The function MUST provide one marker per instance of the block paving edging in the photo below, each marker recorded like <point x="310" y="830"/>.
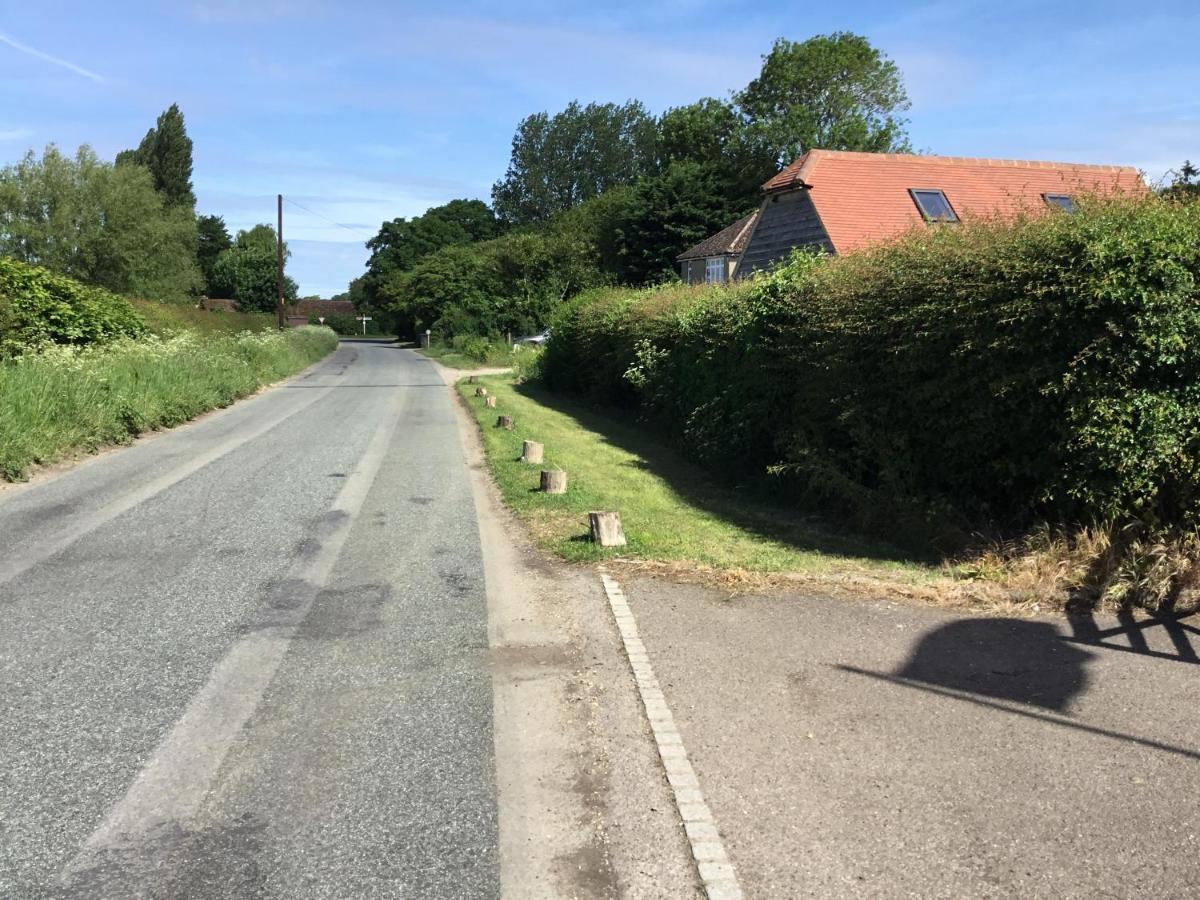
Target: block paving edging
<point x="708" y="850"/>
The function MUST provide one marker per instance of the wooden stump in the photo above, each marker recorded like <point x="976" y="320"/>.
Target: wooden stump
<point x="490" y="401"/>
<point x="480" y="392"/>
<point x="606" y="529"/>
<point x="473" y="379"/>
<point x="505" y="422"/>
<point x="554" y="481"/>
<point x="532" y="452"/>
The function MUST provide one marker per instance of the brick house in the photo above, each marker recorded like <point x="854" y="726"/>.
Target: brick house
<point x="841" y="201"/>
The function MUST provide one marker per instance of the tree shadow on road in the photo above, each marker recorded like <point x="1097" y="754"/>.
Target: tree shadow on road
<point x="1017" y="660"/>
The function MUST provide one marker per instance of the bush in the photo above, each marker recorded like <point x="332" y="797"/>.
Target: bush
<point x="964" y="379"/>
<point x="38" y="307"/>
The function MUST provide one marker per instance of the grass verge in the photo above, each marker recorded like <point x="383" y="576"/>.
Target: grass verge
<point x="679" y="521"/>
<point x="66" y="400"/>
<point x="671" y="511"/>
<point x="496" y="355"/>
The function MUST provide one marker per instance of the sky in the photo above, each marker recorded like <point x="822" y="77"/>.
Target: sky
<point x="359" y="112"/>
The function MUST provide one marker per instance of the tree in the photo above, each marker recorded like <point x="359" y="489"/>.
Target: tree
<point x="712" y="133"/>
<point x="166" y="151"/>
<point x="213" y="240"/>
<point x="247" y="271"/>
<point x="99" y="223"/>
<point x="668" y="214"/>
<point x="561" y="160"/>
<point x="402" y="243"/>
<point x="835" y="92"/>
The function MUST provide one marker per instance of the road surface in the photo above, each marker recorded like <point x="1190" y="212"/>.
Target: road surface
<point x="249" y="657"/>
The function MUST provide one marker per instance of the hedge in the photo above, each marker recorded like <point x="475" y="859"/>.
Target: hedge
<point x="979" y="377"/>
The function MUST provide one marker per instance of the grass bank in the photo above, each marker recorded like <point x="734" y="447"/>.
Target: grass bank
<point x="67" y="400"/>
<point x="167" y="319"/>
<point x="672" y="511"/>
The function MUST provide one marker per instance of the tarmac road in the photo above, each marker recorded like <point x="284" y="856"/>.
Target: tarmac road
<point x="248" y="657"/>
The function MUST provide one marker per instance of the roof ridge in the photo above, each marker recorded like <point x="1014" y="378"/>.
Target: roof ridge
<point x="818" y="152"/>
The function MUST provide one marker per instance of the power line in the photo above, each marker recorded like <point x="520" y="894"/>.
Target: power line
<point x="326" y="218"/>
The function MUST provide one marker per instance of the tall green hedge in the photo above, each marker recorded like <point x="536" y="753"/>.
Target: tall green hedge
<point x="963" y="378"/>
<point x="39" y="307"/>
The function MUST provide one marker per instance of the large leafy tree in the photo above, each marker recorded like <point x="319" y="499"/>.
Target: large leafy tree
<point x="213" y="239"/>
<point x="102" y="224"/>
<point x="166" y="151"/>
<point x="670" y="213"/>
<point x="402" y="243"/>
<point x="712" y="133"/>
<point x="247" y="271"/>
<point x="835" y="92"/>
<point x="577" y="154"/>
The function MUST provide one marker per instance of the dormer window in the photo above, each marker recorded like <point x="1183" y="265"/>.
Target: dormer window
<point x="1062" y="201"/>
<point x="933" y="205"/>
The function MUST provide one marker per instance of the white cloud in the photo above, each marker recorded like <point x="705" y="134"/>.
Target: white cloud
<point x="53" y="60"/>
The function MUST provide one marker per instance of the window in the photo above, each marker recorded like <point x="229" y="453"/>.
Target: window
<point x="714" y="270"/>
<point x="933" y="205"/>
<point x="687" y="271"/>
<point x="1063" y="201"/>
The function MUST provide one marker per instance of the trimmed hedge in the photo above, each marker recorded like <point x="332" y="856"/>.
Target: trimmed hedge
<point x="980" y="377"/>
<point x="38" y="307"/>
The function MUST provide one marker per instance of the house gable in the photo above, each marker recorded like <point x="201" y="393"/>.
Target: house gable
<point x="788" y="219"/>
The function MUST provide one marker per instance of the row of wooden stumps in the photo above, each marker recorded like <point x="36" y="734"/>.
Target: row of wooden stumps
<point x="605" y="527"/>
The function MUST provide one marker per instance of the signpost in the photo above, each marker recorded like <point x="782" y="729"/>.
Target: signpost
<point x="364" y="320"/>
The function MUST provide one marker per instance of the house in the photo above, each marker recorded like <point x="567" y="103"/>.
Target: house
<point x="841" y="201"/>
<point x="715" y="259"/>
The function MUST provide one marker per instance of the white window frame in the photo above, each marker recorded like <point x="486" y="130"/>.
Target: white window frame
<point x="715" y="265"/>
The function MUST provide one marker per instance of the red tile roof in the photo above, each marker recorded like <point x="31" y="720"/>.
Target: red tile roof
<point x="863" y="198"/>
<point x="727" y="241"/>
<point x="322" y="308"/>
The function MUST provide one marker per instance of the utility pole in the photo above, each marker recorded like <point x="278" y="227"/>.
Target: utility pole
<point x="279" y="252"/>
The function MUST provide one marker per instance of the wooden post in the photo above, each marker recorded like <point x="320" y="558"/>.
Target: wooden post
<point x="473" y="379"/>
<point x="489" y="401"/>
<point x="554" y="481"/>
<point x="532" y="452"/>
<point x="606" y="529"/>
<point x="505" y="422"/>
<point x="480" y="392"/>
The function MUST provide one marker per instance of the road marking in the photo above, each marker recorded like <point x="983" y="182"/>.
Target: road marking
<point x="29" y="557"/>
<point x="170" y="787"/>
<point x="708" y="850"/>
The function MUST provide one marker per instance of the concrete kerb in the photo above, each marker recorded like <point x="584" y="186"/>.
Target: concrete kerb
<point x="708" y="850"/>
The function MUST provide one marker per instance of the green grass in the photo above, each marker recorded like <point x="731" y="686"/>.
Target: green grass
<point x="671" y="511"/>
<point x="65" y="400"/>
<point x="497" y="355"/>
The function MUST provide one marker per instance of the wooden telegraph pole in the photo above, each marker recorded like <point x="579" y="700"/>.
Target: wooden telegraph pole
<point x="279" y="253"/>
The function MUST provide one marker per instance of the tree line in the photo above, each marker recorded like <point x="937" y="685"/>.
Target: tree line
<point x="130" y="225"/>
<point x="607" y="193"/>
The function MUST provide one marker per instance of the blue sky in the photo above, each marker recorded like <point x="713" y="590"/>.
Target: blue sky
<point x="362" y="111"/>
